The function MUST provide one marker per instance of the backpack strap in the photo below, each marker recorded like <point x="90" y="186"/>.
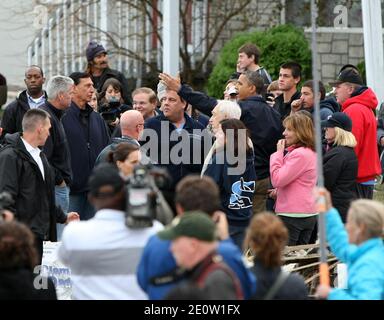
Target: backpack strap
<point x="280" y="280"/>
<point x="215" y="263"/>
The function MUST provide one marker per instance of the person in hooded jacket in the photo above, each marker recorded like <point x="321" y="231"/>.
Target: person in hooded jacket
<point x="307" y="101"/>
<point x="340" y="162"/>
<point x="232" y="168"/>
<point x="359" y="103"/>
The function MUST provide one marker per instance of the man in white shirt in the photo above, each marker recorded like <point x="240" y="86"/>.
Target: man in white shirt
<point x="103" y="253"/>
<point x="27" y="176"/>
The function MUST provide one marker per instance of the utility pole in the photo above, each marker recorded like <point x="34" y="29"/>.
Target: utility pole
<point x="373" y="46"/>
<point x="171" y="36"/>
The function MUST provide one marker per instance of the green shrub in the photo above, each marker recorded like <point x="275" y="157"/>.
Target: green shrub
<point x="278" y="45"/>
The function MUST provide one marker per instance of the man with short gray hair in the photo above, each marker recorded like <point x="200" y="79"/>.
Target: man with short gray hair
<point x="59" y="90"/>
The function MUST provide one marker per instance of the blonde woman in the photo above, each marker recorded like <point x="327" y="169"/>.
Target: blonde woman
<point x="360" y="246"/>
<point x="340" y="162"/>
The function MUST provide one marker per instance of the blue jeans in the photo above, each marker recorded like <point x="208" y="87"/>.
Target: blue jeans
<point x="62" y="201"/>
<point x="78" y="202"/>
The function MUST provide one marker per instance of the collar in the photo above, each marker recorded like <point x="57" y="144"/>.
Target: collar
<point x="366" y="246"/>
<point x="29" y="148"/>
<point x="110" y="214"/>
<point x="77" y="109"/>
<point x="127" y="138"/>
<point x="57" y="112"/>
<point x="35" y="100"/>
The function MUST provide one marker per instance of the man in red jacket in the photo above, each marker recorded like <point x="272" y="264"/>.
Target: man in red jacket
<point x="359" y="103"/>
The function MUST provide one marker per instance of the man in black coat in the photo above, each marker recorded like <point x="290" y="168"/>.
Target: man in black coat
<point x="31" y="98"/>
<point x="289" y="78"/>
<point x="99" y="70"/>
<point x="27" y="176"/>
<point x="56" y="148"/>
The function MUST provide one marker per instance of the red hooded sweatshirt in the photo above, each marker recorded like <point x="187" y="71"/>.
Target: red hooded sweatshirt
<point x="360" y="109"/>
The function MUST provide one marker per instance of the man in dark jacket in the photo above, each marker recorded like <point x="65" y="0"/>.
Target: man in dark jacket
<point x="262" y="121"/>
<point x="132" y="125"/>
<point x="31" y="98"/>
<point x="289" y="78"/>
<point x="98" y="69"/>
<point x="172" y="129"/>
<point x="59" y="89"/>
<point x="28" y="177"/>
<point x="87" y="135"/>
<point x="328" y="106"/>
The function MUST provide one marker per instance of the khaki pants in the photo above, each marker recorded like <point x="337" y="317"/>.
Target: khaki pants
<point x="260" y="197"/>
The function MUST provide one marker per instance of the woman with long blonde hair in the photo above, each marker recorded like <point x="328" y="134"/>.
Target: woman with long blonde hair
<point x="340" y="162"/>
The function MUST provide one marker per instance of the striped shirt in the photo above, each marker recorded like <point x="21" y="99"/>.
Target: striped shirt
<point x="103" y="255"/>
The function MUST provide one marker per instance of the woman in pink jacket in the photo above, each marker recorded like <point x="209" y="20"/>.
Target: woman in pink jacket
<point x="293" y="175"/>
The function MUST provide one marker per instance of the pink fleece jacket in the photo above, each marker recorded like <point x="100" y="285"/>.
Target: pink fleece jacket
<point x="294" y="176"/>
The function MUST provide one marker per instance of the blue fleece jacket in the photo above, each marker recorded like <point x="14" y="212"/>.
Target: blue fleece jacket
<point x="236" y="190"/>
<point x="157" y="260"/>
<point x="365" y="262"/>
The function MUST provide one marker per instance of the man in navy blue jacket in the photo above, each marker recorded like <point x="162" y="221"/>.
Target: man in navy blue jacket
<point x="157" y="272"/>
<point x="87" y="135"/>
<point x="175" y="141"/>
<point x="263" y="122"/>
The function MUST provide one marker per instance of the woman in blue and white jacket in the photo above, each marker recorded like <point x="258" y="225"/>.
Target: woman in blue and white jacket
<point x="232" y="167"/>
<point x="360" y="246"/>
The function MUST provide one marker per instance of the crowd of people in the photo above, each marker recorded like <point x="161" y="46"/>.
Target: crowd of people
<point x="240" y="176"/>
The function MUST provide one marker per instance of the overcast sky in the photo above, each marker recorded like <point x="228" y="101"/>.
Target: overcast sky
<point x="16" y="33"/>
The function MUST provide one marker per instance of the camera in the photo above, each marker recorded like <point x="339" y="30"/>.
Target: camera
<point x="142" y="195"/>
<point x="6" y="201"/>
<point x="112" y="110"/>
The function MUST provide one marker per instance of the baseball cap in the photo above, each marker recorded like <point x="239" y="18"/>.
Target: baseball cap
<point x="193" y="224"/>
<point x="338" y="119"/>
<point x="347" y="75"/>
<point x="105" y="174"/>
<point x="93" y="50"/>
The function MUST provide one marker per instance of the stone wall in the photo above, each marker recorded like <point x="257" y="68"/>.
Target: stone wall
<point x="336" y="49"/>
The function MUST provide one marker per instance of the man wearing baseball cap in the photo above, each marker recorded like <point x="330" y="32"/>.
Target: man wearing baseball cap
<point x="99" y="70"/>
<point x="194" y="246"/>
<point x="359" y="103"/>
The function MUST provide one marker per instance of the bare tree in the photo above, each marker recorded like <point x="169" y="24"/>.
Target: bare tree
<point x="219" y="17"/>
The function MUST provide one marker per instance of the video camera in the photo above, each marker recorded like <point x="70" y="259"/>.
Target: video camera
<point x="142" y="195"/>
<point x="6" y="201"/>
<point x="112" y="110"/>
